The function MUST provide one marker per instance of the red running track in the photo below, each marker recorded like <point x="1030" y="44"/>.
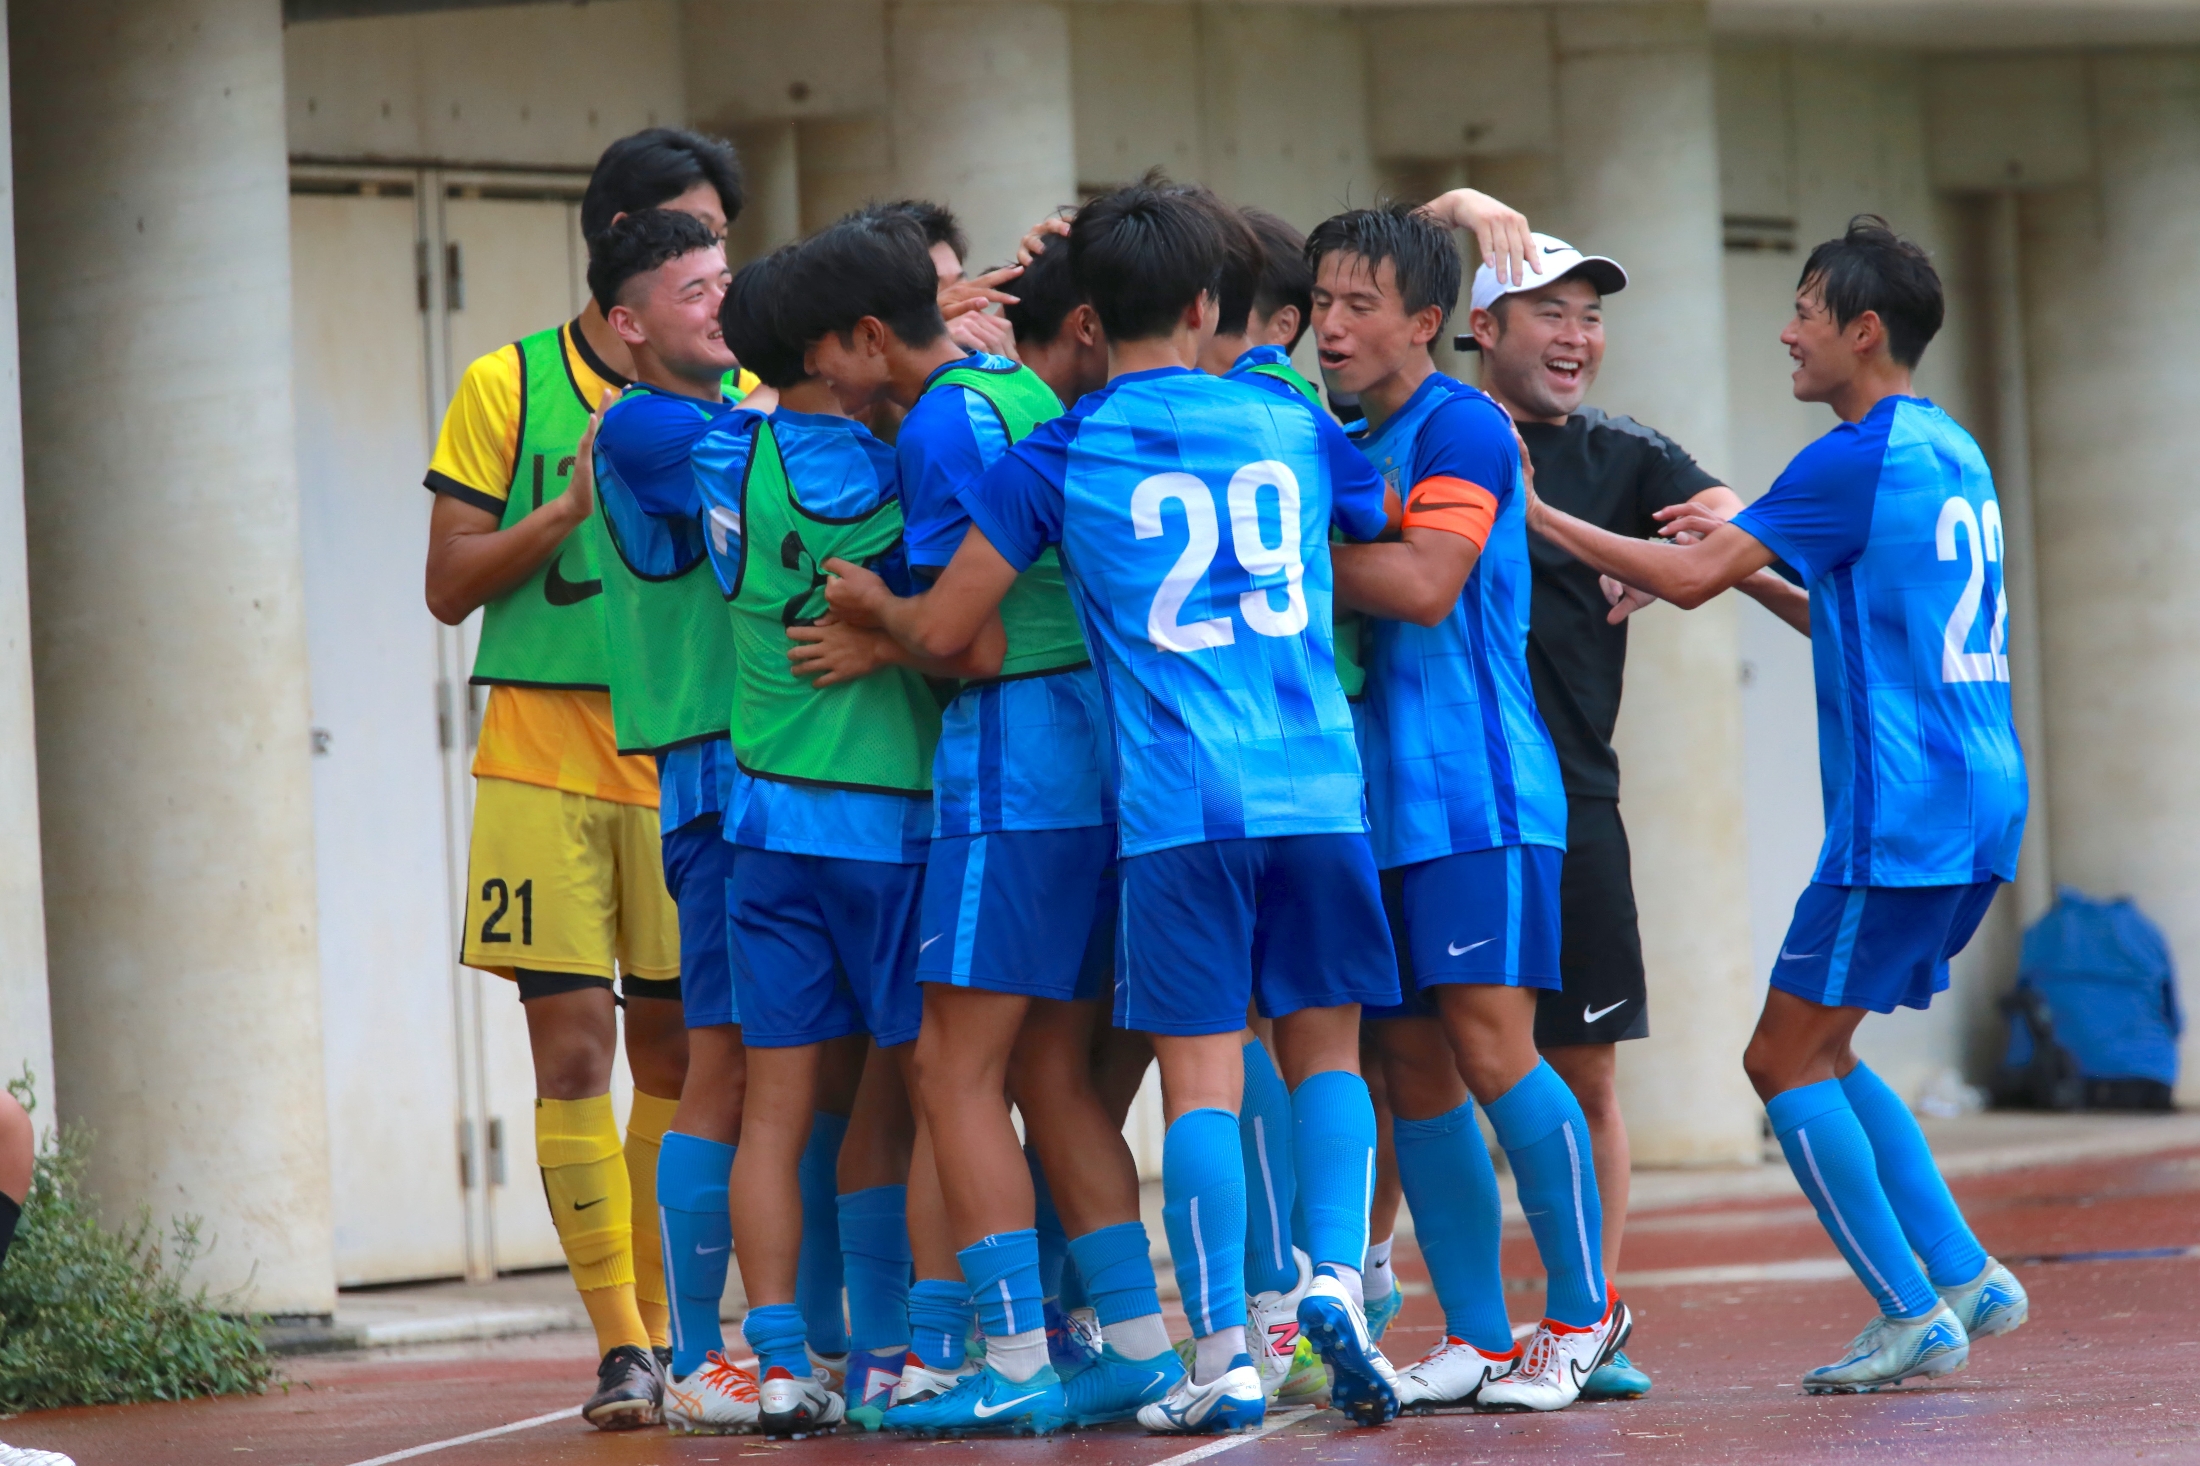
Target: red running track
<point x="2105" y="1369"/>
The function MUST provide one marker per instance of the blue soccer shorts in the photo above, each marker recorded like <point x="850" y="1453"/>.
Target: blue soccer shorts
<point x="1478" y="916"/>
<point x="1021" y="911"/>
<point x="1878" y="947"/>
<point x="697" y="863"/>
<point x="822" y="947"/>
<point x="1290" y="922"/>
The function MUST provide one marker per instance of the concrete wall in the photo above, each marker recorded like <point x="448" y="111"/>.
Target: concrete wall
<point x="168" y="625"/>
<point x="26" y="1027"/>
<point x="2115" y="441"/>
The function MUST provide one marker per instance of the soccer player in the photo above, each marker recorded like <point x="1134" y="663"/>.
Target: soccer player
<point x="1019" y="904"/>
<point x="659" y="278"/>
<point x="1891" y="521"/>
<point x="829" y="816"/>
<point x="1542" y="343"/>
<point x="1244" y="865"/>
<point x="565" y="882"/>
<point x="1468" y="821"/>
<point x="1058" y="333"/>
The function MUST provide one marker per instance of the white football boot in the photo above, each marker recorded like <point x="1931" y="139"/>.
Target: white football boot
<point x="1451" y="1376"/>
<point x="1233" y="1401"/>
<point x="789" y="1406"/>
<point x="1272" y="1327"/>
<point x="717" y="1399"/>
<point x="1992" y="1303"/>
<point x="1558" y="1361"/>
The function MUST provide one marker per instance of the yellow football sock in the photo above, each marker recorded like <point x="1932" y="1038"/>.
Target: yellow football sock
<point x="646" y="1125"/>
<point x="584" y="1179"/>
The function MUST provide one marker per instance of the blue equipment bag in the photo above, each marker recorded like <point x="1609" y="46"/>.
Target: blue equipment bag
<point x="2094" y="1018"/>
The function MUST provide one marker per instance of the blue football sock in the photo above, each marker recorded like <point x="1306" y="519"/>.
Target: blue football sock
<point x="1271" y="1187"/>
<point x="939" y="1322"/>
<point x="1333" y="1138"/>
<point x="874" y="1252"/>
<point x="1546" y="1137"/>
<point x="1003" y="1273"/>
<point x="1047" y="1222"/>
<point x="1930" y="1220"/>
<point x="1832" y="1160"/>
<point x="698" y="1242"/>
<point x="817" y="1277"/>
<point x="1118" y="1266"/>
<point x="1072" y="1292"/>
<point x="776" y="1333"/>
<point x="1203" y="1189"/>
<point x="1458" y="1221"/>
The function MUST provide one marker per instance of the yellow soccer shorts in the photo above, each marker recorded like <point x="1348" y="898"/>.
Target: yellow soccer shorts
<point x="559" y="882"/>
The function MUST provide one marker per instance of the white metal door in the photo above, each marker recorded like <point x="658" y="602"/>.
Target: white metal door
<point x="379" y="816"/>
<point x="512" y="263"/>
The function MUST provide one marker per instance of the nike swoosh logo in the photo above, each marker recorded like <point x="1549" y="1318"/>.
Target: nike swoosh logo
<point x="559" y="591"/>
<point x="1787" y="956"/>
<point x="585" y="1205"/>
<point x="986" y="1412"/>
<point x="928" y="941"/>
<point x="1591" y="1015"/>
<point x="702" y="1251"/>
<point x="1463" y="951"/>
<point x="1422" y="506"/>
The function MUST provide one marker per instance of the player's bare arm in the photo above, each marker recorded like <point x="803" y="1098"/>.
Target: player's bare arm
<point x="1500" y="231"/>
<point x="1416" y="577"/>
<point x="1686" y="575"/>
<point x="945" y="622"/>
<point x="1791" y="603"/>
<point x="1716" y="503"/>
<point x="833" y="651"/>
<point x="471" y="561"/>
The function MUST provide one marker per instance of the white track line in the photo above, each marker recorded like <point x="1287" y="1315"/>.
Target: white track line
<point x="1227" y="1443"/>
<point x="467" y="1440"/>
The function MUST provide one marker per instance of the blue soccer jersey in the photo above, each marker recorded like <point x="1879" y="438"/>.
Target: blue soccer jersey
<point x="1457" y="756"/>
<point x="648" y="497"/>
<point x="838" y="471"/>
<point x="1893" y="524"/>
<point x="1025" y="753"/>
<point x="1193" y="516"/>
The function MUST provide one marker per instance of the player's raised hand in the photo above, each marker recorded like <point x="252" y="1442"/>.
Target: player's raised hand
<point x="1500" y="231"/>
<point x="1034" y="241"/>
<point x="1625" y="600"/>
<point x="980" y="332"/>
<point x="830" y="651"/>
<point x="856" y="595"/>
<point x="580" y="489"/>
<point x="978" y="292"/>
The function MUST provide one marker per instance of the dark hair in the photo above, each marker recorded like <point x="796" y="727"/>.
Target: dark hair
<point x="1046" y="292"/>
<point x="1242" y="256"/>
<point x="1419" y="250"/>
<point x="871" y="263"/>
<point x="938" y="222"/>
<point x="1871" y="268"/>
<point x="750" y="318"/>
<point x="1285" y="277"/>
<point x="1143" y="254"/>
<point x="654" y="167"/>
<point x="638" y="244"/>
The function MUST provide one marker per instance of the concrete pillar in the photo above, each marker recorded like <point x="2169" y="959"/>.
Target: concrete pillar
<point x="168" y="623"/>
<point x="2114" y="440"/>
<point x="26" y="1029"/>
<point x="1638" y="150"/>
<point x="981" y="114"/>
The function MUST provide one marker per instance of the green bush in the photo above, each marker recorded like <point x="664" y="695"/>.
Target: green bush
<point x="94" y="1317"/>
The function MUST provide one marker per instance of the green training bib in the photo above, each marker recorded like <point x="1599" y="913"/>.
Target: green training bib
<point x="547" y="631"/>
<point x="671" y="649"/>
<point x="876" y="733"/>
<point x="1043" y="635"/>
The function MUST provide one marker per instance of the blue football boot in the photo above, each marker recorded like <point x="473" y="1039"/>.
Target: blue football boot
<point x="1382" y="1311"/>
<point x="1115" y="1388"/>
<point x="1615" y="1379"/>
<point x="985" y="1403"/>
<point x="1067" y="1349"/>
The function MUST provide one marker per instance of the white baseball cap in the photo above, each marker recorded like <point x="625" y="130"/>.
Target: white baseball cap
<point x="1560" y="259"/>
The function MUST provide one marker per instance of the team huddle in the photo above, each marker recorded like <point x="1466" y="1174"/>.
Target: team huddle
<point x="935" y="700"/>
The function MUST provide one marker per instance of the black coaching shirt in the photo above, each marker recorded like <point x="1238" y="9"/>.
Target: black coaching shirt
<point x="1615" y="473"/>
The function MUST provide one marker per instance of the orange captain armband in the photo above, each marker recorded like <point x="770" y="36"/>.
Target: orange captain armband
<point x="1453" y="505"/>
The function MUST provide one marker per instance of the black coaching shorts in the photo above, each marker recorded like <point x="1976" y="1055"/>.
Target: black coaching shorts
<point x="1602" y="998"/>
